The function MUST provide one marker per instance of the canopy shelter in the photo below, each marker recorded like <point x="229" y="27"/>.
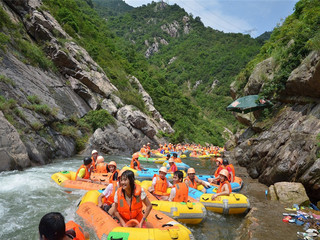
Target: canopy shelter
<point x="248" y="104"/>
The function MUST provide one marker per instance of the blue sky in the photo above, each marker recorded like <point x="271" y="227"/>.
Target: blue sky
<point x="253" y="17"/>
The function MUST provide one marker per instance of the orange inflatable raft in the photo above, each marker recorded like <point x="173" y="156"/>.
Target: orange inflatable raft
<point x="106" y="227"/>
<point x="66" y="179"/>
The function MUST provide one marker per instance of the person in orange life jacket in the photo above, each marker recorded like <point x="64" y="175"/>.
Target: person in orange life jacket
<point x="148" y="147"/>
<point x="113" y="169"/>
<point x="222" y="164"/>
<point x="179" y="192"/>
<point x="192" y="180"/>
<point x="128" y="200"/>
<point x="173" y="166"/>
<point x="230" y="169"/>
<point x="94" y="156"/>
<point x="106" y="198"/>
<point x="101" y="166"/>
<point x="53" y="227"/>
<point x="224" y="187"/>
<point x="84" y="172"/>
<point x="175" y="158"/>
<point x="143" y="150"/>
<point x="135" y="164"/>
<point x="219" y="163"/>
<point x="160" y="184"/>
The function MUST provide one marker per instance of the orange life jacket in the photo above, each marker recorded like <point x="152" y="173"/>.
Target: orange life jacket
<point x="101" y="168"/>
<point x="173" y="168"/>
<point x="216" y="173"/>
<point x="232" y="169"/>
<point x="221" y="185"/>
<point x="190" y="183"/>
<point x="181" y="192"/>
<point x="132" y="163"/>
<point x="110" y="199"/>
<point x="87" y="174"/>
<point x="71" y="225"/>
<point x="93" y="163"/>
<point x="160" y="188"/>
<point x="177" y="160"/>
<point x="111" y="177"/>
<point x="135" y="210"/>
<point x="142" y="150"/>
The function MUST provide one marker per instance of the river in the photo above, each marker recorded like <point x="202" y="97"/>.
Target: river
<point x="25" y="196"/>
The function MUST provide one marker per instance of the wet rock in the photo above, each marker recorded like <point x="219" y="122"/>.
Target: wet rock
<point x="291" y="193"/>
<point x="272" y="193"/>
<point x="117" y="139"/>
<point x="13" y="153"/>
<point x="250" y="223"/>
<point x="286" y="151"/>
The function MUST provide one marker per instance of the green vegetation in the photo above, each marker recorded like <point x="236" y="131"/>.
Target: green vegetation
<point x="98" y="119"/>
<point x="7" y="80"/>
<point x="13" y="35"/>
<point x="289" y="44"/>
<point x="38" y="107"/>
<point x="117" y="45"/>
<point x="111" y="7"/>
<point x="197" y="114"/>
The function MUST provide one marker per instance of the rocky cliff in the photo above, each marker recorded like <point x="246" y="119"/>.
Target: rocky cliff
<point x="285" y="147"/>
<point x="45" y="102"/>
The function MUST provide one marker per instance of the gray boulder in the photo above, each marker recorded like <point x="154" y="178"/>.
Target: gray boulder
<point x="291" y="193"/>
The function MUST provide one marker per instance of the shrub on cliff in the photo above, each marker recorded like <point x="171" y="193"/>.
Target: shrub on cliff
<point x="98" y="119"/>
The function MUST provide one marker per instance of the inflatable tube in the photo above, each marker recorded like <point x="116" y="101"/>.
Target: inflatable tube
<point x="148" y="173"/>
<point x="153" y="160"/>
<point x="236" y="185"/>
<point x="235" y="203"/>
<point x="192" y="212"/>
<point x="180" y="166"/>
<point x="66" y="180"/>
<point x="106" y="227"/>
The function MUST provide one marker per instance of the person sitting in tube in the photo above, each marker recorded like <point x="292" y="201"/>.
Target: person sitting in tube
<point x="128" y="201"/>
<point x="224" y="187"/>
<point x="180" y="190"/>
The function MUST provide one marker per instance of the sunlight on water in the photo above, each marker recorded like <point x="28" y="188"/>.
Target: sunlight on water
<point x="25" y="196"/>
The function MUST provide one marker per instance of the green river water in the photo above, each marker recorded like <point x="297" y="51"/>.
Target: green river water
<point x="25" y="196"/>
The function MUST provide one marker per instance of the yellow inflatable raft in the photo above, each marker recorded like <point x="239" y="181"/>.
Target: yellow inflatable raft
<point x="106" y="227"/>
<point x="235" y="203"/>
<point x="189" y="213"/>
<point x="66" y="179"/>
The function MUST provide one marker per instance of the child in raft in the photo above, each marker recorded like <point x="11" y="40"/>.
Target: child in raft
<point x="128" y="201"/>
<point x="106" y="198"/>
<point x="160" y="184"/>
<point x="224" y="187"/>
<point x="180" y="190"/>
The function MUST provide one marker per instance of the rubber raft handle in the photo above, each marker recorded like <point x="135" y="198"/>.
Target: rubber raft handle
<point x="159" y="218"/>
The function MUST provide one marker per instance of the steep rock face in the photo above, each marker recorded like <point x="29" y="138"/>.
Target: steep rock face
<point x="262" y="72"/>
<point x="78" y="87"/>
<point x="305" y="80"/>
<point x="13" y="153"/>
<point x="288" y="149"/>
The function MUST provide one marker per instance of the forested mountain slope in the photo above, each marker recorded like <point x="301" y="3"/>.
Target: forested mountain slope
<point x="188" y="63"/>
<point x="55" y="100"/>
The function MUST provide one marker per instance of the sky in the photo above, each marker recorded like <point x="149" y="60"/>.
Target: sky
<point x="252" y="17"/>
